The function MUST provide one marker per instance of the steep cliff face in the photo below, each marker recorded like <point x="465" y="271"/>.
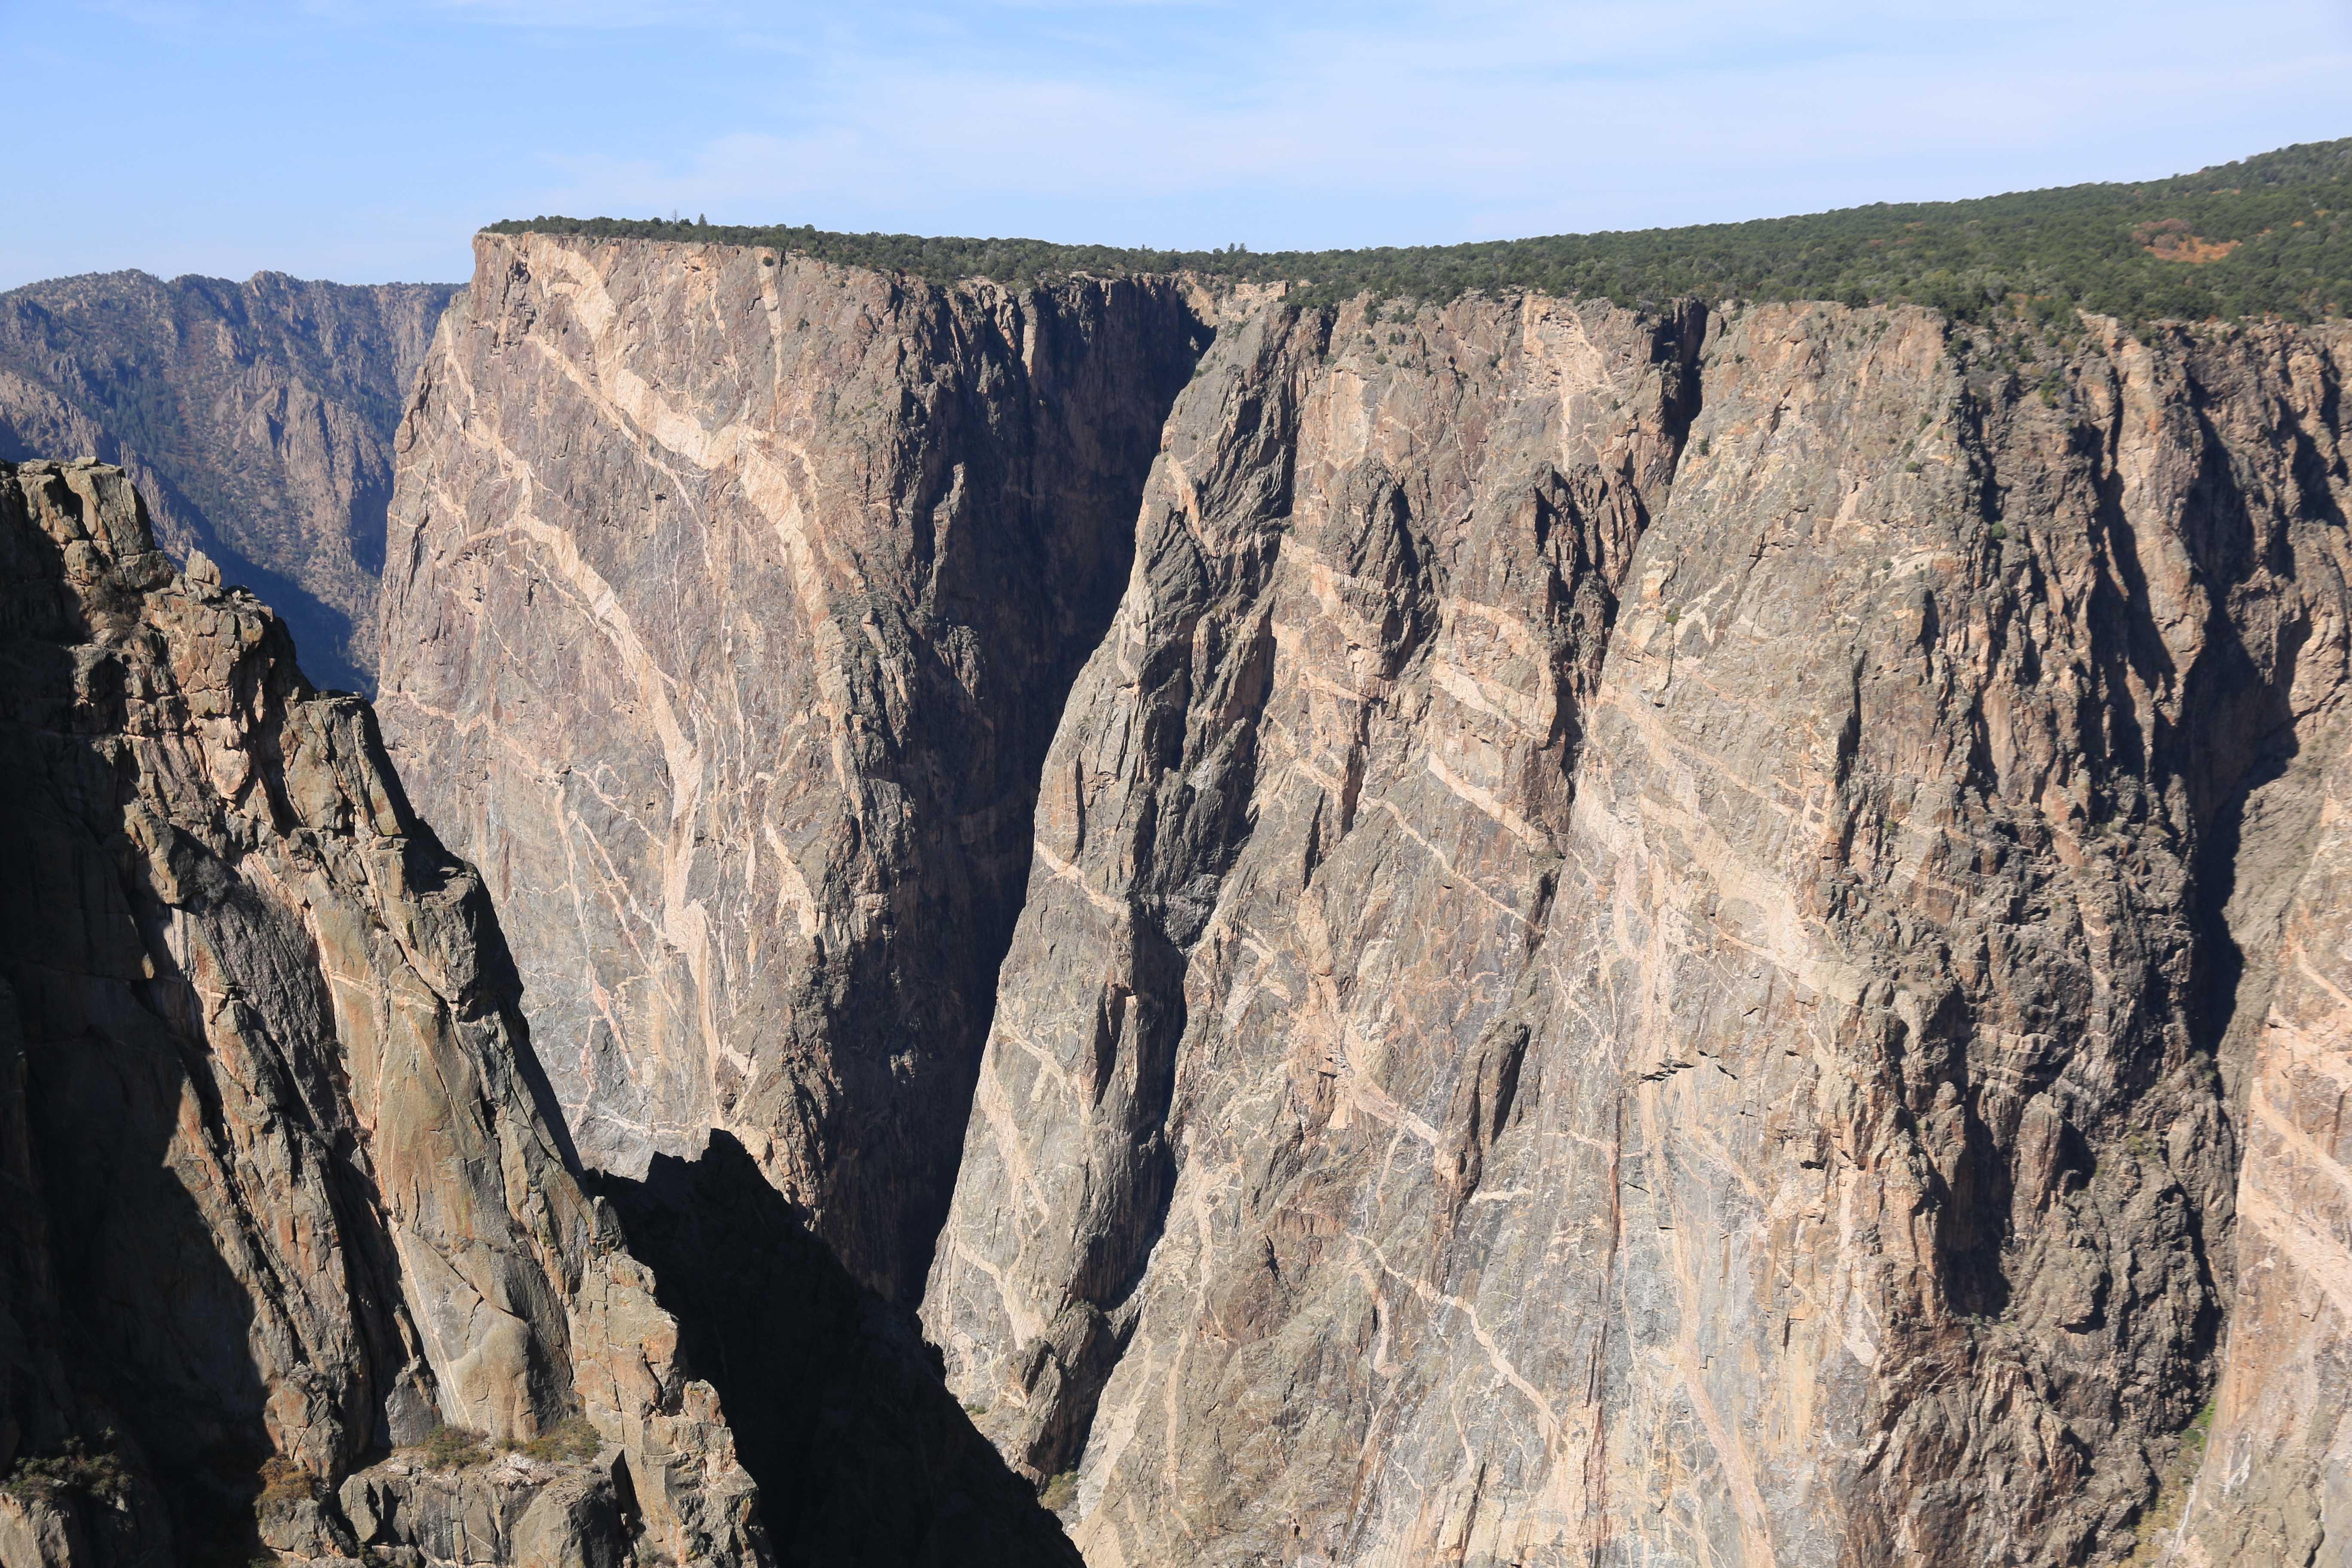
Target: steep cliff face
<point x="2275" y="1481"/>
<point x="1332" y="544"/>
<point x="279" y="1195"/>
<point x="1630" y="956"/>
<point x="1649" y="939"/>
<point x="256" y="417"/>
<point x="730" y="604"/>
<point x="2275" y="1484"/>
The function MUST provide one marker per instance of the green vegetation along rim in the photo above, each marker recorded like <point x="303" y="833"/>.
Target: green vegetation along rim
<point x="2264" y="236"/>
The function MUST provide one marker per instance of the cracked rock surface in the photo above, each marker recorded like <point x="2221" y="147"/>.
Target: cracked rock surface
<point x="1649" y="938"/>
<point x="280" y="1192"/>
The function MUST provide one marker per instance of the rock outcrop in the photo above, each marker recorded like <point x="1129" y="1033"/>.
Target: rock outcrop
<point x="280" y="1195"/>
<point x="256" y="417"/>
<point x="1649" y="938"/>
<point x="731" y="602"/>
<point x="512" y="1508"/>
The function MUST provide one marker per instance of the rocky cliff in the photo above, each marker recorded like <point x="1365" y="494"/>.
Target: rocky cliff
<point x="1658" y="938"/>
<point x="730" y="605"/>
<point x="256" y="417"/>
<point x="280" y="1198"/>
<point x="1631" y="956"/>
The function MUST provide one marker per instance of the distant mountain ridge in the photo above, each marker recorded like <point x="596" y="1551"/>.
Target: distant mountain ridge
<point x="257" y="417"/>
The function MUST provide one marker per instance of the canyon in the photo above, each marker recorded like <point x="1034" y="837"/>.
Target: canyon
<point x="1648" y="937"/>
<point x="1499" y="930"/>
<point x="254" y="417"/>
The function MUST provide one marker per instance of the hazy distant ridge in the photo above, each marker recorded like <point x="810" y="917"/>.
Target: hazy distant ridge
<point x="256" y="418"/>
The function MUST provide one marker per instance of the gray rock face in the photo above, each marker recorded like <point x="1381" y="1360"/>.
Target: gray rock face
<point x="511" y="1509"/>
<point x="279" y="1193"/>
<point x="256" y="417"/>
<point x="730" y="605"/>
<point x="1650" y="940"/>
<point x="1624" y="963"/>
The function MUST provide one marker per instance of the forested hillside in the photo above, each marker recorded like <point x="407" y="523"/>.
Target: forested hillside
<point x="2264" y="236"/>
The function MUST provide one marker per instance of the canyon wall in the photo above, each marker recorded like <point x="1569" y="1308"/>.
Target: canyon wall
<point x="256" y="417"/>
<point x="1649" y="938"/>
<point x="1647" y="945"/>
<point x="280" y="1195"/>
<point x="731" y="602"/>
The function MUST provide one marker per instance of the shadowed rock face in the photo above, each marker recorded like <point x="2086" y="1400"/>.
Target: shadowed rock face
<point x="278" y="1191"/>
<point x="730" y="605"/>
<point x="861" y="1456"/>
<point x="256" y="417"/>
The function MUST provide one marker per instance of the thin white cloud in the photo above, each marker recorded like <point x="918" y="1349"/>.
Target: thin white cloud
<point x="1537" y="117"/>
<point x="366" y="138"/>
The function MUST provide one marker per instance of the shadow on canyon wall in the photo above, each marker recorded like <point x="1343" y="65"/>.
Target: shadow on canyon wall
<point x="839" y="1412"/>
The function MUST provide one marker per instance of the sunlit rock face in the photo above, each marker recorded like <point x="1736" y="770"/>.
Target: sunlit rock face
<point x="1513" y="932"/>
<point x="1648" y="945"/>
<point x="730" y="602"/>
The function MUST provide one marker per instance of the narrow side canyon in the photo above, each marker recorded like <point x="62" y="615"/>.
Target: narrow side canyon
<point x="256" y="417"/>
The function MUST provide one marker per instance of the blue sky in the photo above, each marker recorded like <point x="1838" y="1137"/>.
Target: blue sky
<point x="365" y="140"/>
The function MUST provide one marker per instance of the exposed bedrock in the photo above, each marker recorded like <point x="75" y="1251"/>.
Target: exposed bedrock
<point x="861" y="1457"/>
<point x="1651" y="942"/>
<point x="279" y="1193"/>
<point x="256" y="417"/>
<point x="730" y="606"/>
<point x="1649" y="938"/>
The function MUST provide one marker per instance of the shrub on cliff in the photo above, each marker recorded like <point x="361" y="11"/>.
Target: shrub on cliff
<point x="572" y="1441"/>
<point x="452" y="1448"/>
<point x="75" y="1468"/>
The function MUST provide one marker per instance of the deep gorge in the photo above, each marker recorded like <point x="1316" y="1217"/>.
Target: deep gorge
<point x="1506" y="932"/>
